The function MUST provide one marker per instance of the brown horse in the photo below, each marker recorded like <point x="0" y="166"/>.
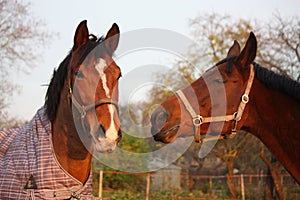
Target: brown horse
<point x="255" y="100"/>
<point x="50" y="157"/>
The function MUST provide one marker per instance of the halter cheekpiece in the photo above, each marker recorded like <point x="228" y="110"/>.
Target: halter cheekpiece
<point x="236" y="116"/>
<point x="83" y="109"/>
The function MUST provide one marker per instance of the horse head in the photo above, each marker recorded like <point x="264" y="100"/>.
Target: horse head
<point x="93" y="87"/>
<point x="211" y="104"/>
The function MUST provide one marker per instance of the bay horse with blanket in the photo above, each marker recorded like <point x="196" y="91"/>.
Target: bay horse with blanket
<point x="254" y="99"/>
<point x="51" y="156"/>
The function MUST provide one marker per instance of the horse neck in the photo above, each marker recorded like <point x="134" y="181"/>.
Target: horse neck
<point x="69" y="149"/>
<point x="273" y="117"/>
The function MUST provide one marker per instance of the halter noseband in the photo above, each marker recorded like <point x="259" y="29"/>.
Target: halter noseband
<point x="236" y="116"/>
<point x="83" y="109"/>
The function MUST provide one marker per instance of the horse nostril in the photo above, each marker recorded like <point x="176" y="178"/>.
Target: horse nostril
<point x="102" y="130"/>
<point x="160" y="119"/>
<point x="119" y="135"/>
<point x="109" y="150"/>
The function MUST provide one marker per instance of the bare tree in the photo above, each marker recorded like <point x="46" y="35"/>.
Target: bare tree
<point x="279" y="46"/>
<point x="228" y="152"/>
<point x="215" y="34"/>
<point x="21" y="36"/>
<point x="275" y="169"/>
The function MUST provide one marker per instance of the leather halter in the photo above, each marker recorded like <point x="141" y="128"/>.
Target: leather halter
<point x="236" y="116"/>
<point x="83" y="109"/>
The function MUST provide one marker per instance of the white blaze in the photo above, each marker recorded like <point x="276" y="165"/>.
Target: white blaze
<point x="100" y="66"/>
<point x="111" y="132"/>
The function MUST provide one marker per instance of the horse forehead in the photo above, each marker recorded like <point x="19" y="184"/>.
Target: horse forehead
<point x="100" y="66"/>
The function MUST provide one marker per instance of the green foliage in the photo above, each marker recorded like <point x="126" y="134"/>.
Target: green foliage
<point x="134" y="144"/>
<point x="125" y="195"/>
<point x="128" y="195"/>
<point x="133" y="186"/>
<point x="126" y="182"/>
<point x="123" y="182"/>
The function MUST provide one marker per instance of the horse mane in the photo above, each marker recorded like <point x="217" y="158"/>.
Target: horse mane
<point x="278" y="82"/>
<point x="55" y="87"/>
<point x="59" y="76"/>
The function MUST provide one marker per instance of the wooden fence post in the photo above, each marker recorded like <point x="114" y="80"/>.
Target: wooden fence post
<point x="242" y="187"/>
<point x="148" y="186"/>
<point x="100" y="183"/>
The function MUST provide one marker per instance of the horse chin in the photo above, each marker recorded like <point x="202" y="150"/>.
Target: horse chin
<point x="104" y="147"/>
<point x="167" y="136"/>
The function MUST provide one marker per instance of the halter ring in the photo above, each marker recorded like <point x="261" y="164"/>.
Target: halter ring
<point x="245" y="98"/>
<point x="197" y="121"/>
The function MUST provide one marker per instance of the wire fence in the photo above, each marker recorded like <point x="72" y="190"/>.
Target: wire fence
<point x="169" y="185"/>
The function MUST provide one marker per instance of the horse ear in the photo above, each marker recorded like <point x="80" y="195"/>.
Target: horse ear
<point x="112" y="38"/>
<point x="248" y="54"/>
<point x="234" y="50"/>
<point x="81" y="35"/>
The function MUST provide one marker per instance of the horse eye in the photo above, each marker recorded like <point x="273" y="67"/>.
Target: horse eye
<point x="119" y="76"/>
<point x="79" y="74"/>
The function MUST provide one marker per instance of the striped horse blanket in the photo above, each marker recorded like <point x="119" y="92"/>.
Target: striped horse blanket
<point x="29" y="168"/>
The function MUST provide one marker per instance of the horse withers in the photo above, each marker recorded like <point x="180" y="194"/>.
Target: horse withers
<point x="246" y="97"/>
<point x="51" y="156"/>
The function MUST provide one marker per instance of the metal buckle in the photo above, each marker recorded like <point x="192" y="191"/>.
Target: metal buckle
<point x="245" y="98"/>
<point x="75" y="195"/>
<point x="233" y="131"/>
<point x="197" y="121"/>
<point x="235" y="115"/>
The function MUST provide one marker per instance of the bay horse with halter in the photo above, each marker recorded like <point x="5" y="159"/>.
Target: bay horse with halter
<point x="51" y="156"/>
<point x="258" y="101"/>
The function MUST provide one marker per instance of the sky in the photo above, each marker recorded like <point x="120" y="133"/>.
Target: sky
<point x="62" y="17"/>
